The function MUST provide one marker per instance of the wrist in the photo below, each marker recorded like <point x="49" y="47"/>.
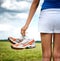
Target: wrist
<point x="26" y="25"/>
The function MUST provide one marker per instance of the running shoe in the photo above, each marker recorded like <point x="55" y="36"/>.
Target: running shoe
<point x="26" y="43"/>
<point x="15" y="40"/>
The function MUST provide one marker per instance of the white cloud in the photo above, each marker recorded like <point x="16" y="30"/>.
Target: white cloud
<point x="14" y="5"/>
<point x="22" y="15"/>
<point x="6" y="27"/>
<point x="11" y="22"/>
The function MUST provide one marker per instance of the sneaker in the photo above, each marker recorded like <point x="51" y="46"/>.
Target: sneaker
<point x="26" y="43"/>
<point x="14" y="40"/>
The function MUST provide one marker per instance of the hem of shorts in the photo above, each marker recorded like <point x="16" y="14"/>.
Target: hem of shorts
<point x="47" y="32"/>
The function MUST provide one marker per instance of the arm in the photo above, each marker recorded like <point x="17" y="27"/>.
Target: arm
<point x="33" y="8"/>
<point x="32" y="11"/>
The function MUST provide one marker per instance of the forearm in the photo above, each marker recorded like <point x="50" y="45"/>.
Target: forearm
<point x="32" y="11"/>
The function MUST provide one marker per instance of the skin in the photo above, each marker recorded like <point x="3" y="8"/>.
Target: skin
<point x="31" y="13"/>
<point x="46" y="46"/>
<point x="56" y="48"/>
<point x="46" y="38"/>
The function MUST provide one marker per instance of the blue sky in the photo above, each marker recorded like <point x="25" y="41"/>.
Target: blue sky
<point x="13" y="15"/>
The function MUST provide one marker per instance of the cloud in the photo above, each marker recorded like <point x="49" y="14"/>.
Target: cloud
<point x="12" y="10"/>
<point x="16" y="5"/>
<point x="6" y="27"/>
<point x="1" y="1"/>
<point x="13" y="15"/>
<point x="25" y="0"/>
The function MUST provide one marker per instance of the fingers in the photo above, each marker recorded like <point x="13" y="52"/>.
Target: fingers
<point x="23" y="32"/>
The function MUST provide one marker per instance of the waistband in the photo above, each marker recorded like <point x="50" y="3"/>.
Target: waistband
<point x="51" y="10"/>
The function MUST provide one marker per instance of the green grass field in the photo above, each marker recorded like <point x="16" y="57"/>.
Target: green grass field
<point x="9" y="54"/>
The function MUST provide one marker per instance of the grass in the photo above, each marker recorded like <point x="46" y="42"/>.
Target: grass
<point x="9" y="54"/>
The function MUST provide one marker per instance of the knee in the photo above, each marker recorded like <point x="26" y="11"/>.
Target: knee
<point x="47" y="55"/>
<point x="56" y="54"/>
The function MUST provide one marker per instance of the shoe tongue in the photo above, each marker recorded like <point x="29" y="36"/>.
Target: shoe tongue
<point x="18" y="40"/>
<point x="25" y="39"/>
<point x="22" y="37"/>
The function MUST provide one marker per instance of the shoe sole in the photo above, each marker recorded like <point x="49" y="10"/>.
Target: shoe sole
<point x="11" y="41"/>
<point x="23" y="48"/>
<point x="17" y="48"/>
<point x="30" y="47"/>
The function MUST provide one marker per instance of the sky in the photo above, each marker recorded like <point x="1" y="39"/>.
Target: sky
<point x="13" y="16"/>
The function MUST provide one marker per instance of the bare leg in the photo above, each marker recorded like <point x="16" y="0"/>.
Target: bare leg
<point x="56" y="55"/>
<point x="46" y="39"/>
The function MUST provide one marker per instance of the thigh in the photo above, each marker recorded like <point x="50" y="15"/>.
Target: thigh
<point x="46" y="39"/>
<point x="57" y="41"/>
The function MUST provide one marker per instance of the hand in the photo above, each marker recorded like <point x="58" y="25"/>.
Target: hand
<point x="23" y="30"/>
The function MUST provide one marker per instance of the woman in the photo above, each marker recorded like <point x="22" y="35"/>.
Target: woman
<point x="49" y="25"/>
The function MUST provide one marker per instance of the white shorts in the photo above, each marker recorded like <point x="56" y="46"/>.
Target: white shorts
<point x="49" y="21"/>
